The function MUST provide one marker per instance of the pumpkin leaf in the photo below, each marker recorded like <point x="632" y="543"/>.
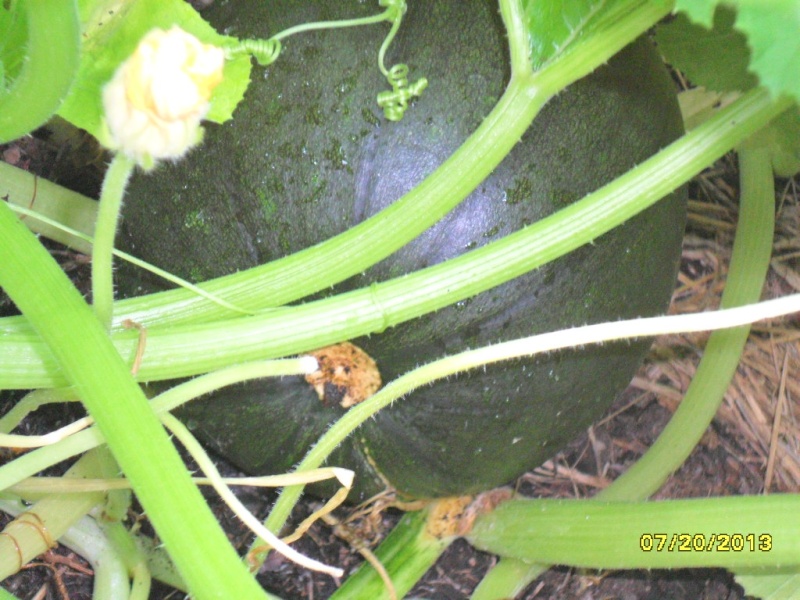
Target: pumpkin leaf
<point x="771" y="584"/>
<point x="700" y="11"/>
<point x="553" y="25"/>
<point x="772" y="31"/>
<point x="694" y="50"/>
<point x="558" y="27"/>
<point x="113" y="28"/>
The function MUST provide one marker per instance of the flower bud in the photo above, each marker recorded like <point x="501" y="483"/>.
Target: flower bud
<point x="158" y="96"/>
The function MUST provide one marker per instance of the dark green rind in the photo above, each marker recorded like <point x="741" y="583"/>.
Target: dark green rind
<point x="309" y="155"/>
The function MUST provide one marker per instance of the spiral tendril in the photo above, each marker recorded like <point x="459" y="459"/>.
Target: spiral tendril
<point x="395" y="102"/>
<point x="265" y="52"/>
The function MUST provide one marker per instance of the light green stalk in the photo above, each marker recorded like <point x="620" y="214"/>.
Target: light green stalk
<point x="184" y="350"/>
<point x="407" y="553"/>
<point x="761" y="530"/>
<point x="60" y="204"/>
<point x="122" y="542"/>
<point x="32" y="534"/>
<point x="91" y="364"/>
<point x="114" y="183"/>
<point x="748" y="270"/>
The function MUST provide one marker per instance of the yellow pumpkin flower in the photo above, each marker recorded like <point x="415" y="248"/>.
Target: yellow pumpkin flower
<point x="158" y="96"/>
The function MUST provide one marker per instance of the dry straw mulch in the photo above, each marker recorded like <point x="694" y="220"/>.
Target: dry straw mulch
<point x="762" y="404"/>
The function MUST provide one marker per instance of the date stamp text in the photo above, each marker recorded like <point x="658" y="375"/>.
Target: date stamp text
<point x="704" y="542"/>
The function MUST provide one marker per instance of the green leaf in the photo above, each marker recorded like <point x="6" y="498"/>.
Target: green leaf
<point x="773" y="29"/>
<point x="701" y="11"/>
<point x="770" y="584"/>
<point x="560" y="27"/>
<point x="552" y="25"/>
<point x="112" y="30"/>
<point x="696" y="51"/>
<point x="718" y="58"/>
<point x="773" y="33"/>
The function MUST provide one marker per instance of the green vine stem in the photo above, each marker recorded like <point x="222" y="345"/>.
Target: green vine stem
<point x="40" y="486"/>
<point x="40" y="222"/>
<point x="752" y="249"/>
<point x="116" y="179"/>
<point x="121" y="542"/>
<point x="48" y="70"/>
<point x="626" y="535"/>
<point x="353" y="251"/>
<point x="25" y="189"/>
<point x="52" y="516"/>
<point x="31" y="463"/>
<point x="506" y="579"/>
<point x="92" y="365"/>
<point x="31" y="402"/>
<point x="183" y="350"/>
<point x="87" y="540"/>
<point x="407" y="553"/>
<point x="749" y="264"/>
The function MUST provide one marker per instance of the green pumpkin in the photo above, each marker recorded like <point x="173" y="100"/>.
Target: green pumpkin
<point x="309" y="154"/>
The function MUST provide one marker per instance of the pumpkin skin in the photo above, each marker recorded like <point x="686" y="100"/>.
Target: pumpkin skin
<point x="309" y="154"/>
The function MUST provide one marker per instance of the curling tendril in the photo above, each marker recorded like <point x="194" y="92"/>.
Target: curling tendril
<point x="265" y="52"/>
<point x="394" y="102"/>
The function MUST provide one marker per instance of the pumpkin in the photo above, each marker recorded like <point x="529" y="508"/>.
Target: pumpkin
<point x="309" y="154"/>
